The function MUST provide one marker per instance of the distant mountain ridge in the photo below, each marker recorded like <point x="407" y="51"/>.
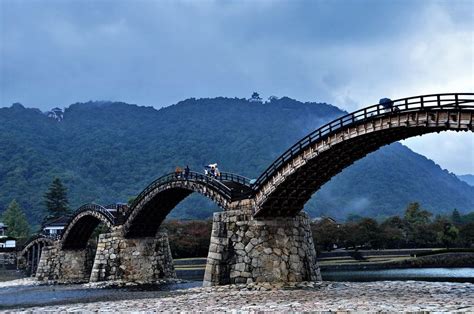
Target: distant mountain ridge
<point x="109" y="151"/>
<point x="468" y="178"/>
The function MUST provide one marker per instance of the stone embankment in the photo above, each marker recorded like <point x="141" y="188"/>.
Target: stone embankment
<point x="307" y="296"/>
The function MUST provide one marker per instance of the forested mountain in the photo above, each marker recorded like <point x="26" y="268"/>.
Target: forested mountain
<point x="108" y="152"/>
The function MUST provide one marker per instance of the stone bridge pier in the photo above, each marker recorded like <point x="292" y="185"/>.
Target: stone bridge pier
<point x="245" y="249"/>
<point x="63" y="265"/>
<point x="116" y="258"/>
<point x="146" y="259"/>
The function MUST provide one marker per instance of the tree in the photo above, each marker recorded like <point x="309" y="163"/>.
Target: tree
<point x="456" y="217"/>
<point x="466" y="234"/>
<point x="446" y="234"/>
<point x="326" y="234"/>
<point x="15" y="219"/>
<point x="56" y="200"/>
<point x="415" y="215"/>
<point x="255" y="97"/>
<point x="367" y="233"/>
<point x="416" y="222"/>
<point x="392" y="232"/>
<point x="450" y="235"/>
<point x="131" y="200"/>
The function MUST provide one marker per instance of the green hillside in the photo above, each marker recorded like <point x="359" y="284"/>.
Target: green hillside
<point x="107" y="152"/>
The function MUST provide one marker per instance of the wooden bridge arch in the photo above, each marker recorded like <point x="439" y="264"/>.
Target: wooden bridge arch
<point x="289" y="182"/>
<point x="154" y="203"/>
<point x="82" y="223"/>
<point x="29" y="257"/>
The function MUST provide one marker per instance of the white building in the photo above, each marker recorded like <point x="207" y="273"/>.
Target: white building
<point x="55" y="226"/>
<point x="6" y="241"/>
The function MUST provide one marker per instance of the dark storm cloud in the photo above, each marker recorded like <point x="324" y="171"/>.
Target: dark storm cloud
<point x="59" y="52"/>
<point x="349" y="53"/>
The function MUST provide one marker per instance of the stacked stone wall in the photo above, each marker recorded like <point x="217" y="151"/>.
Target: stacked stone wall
<point x="8" y="260"/>
<point x="139" y="260"/>
<point x="64" y="266"/>
<point x="245" y="250"/>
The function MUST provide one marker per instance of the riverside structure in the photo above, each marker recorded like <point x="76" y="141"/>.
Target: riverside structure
<point x="262" y="235"/>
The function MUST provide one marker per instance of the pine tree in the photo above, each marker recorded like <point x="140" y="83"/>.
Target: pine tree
<point x="56" y="200"/>
<point x="16" y="222"/>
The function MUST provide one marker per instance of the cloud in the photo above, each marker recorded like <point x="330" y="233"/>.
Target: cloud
<point x="349" y="53"/>
<point x="453" y="151"/>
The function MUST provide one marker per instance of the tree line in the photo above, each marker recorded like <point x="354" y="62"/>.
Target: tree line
<point x="416" y="229"/>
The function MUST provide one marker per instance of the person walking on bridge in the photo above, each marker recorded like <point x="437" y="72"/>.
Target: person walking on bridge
<point x="386" y="103"/>
<point x="186" y="172"/>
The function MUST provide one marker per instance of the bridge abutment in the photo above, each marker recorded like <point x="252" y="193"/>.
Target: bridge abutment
<point x="244" y="249"/>
<point x="64" y="266"/>
<point x="145" y="259"/>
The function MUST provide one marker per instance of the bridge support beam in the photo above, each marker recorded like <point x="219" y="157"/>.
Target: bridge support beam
<point x="245" y="249"/>
<point x="140" y="260"/>
<point x="64" y="266"/>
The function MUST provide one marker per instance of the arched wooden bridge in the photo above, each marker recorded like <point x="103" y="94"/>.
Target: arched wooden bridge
<point x="288" y="183"/>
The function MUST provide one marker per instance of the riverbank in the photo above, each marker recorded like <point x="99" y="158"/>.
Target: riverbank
<point x="446" y="260"/>
<point x="193" y="268"/>
<point x="341" y="296"/>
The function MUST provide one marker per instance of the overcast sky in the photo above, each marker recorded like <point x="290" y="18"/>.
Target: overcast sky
<point x="348" y="53"/>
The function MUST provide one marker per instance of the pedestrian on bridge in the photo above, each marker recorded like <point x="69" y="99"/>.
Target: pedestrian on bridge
<point x="177" y="172"/>
<point x="186" y="172"/>
<point x="386" y="103"/>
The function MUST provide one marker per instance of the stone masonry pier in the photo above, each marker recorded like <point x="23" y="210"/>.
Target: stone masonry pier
<point x="117" y="258"/>
<point x="245" y="249"/>
<point x="141" y="259"/>
<point x="64" y="266"/>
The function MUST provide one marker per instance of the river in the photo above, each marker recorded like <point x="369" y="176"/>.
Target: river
<point x="24" y="296"/>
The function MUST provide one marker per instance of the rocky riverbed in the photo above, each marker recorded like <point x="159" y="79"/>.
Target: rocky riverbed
<point x="326" y="296"/>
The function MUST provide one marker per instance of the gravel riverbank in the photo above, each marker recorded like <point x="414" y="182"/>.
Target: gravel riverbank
<point x="327" y="296"/>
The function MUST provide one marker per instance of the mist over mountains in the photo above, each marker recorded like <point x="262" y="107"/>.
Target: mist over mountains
<point x="107" y="152"/>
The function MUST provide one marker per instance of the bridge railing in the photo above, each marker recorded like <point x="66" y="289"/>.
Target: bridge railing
<point x="227" y="176"/>
<point x="431" y="102"/>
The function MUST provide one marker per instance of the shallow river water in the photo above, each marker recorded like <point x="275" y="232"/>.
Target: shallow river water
<point x="25" y="296"/>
